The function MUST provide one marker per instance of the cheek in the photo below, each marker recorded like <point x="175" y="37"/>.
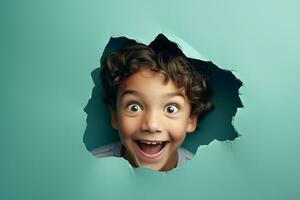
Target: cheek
<point x="177" y="131"/>
<point x="128" y="126"/>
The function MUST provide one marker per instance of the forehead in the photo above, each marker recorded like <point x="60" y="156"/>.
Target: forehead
<point x="150" y="83"/>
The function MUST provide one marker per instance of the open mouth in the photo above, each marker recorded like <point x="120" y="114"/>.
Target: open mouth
<point x="151" y="148"/>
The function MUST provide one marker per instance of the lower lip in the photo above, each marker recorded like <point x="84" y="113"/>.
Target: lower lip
<point x="151" y="157"/>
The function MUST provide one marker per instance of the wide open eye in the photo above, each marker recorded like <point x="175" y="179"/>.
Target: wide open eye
<point x="134" y="107"/>
<point x="171" y="108"/>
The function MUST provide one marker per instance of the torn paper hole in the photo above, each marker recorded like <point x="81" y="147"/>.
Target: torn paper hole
<point x="104" y="141"/>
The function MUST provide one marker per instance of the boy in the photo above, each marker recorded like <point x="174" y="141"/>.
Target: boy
<point x="155" y="99"/>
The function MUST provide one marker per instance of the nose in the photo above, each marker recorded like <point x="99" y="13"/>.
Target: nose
<point x="152" y="122"/>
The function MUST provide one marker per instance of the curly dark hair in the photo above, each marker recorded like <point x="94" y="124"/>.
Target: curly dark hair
<point x="119" y="65"/>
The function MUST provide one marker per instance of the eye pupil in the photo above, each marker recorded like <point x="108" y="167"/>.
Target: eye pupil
<point x="170" y="109"/>
<point x="134" y="108"/>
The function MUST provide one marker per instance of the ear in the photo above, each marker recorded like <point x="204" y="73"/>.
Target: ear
<point x="192" y="123"/>
<point x="114" y="120"/>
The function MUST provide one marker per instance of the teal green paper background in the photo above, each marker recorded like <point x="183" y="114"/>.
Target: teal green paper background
<point x="49" y="49"/>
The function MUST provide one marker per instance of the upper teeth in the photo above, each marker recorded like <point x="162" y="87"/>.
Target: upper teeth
<point x="149" y="142"/>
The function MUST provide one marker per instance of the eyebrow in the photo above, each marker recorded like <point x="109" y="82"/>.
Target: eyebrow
<point x="139" y="94"/>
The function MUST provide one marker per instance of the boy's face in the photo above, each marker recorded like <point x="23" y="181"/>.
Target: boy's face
<point x="152" y="118"/>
